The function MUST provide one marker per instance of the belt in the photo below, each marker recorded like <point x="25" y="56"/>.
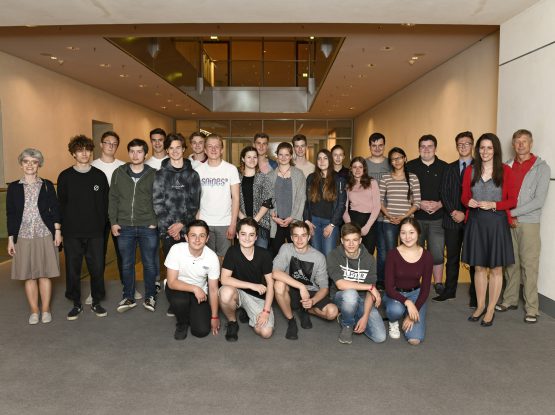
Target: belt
<point x="407" y="290"/>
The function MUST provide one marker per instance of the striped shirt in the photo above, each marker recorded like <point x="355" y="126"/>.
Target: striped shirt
<point x="393" y="194"/>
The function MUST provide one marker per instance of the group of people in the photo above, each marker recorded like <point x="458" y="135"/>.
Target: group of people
<point x="302" y="234"/>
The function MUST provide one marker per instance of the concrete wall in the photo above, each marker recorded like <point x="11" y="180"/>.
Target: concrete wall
<point x="459" y="95"/>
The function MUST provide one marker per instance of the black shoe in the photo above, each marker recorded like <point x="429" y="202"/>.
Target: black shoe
<point x="439" y="288"/>
<point x="99" y="310"/>
<point x="180" y="333"/>
<point x="292" y="329"/>
<point x="485" y="323"/>
<point x="74" y="312"/>
<point x="305" y="319"/>
<point x="474" y="318"/>
<point x="170" y="313"/>
<point x="242" y="315"/>
<point x="380" y="285"/>
<point x="443" y="297"/>
<point x="158" y="286"/>
<point x="231" y="332"/>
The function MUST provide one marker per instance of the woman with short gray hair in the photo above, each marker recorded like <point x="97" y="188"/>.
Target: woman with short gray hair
<point x="34" y="233"/>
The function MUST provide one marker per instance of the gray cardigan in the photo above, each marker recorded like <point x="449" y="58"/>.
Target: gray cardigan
<point x="533" y="192"/>
<point x="299" y="195"/>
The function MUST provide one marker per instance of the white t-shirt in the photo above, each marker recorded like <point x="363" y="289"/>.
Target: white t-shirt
<point x="107" y="168"/>
<point x="215" y="200"/>
<point x="196" y="163"/>
<point x="193" y="270"/>
<point x="155" y="163"/>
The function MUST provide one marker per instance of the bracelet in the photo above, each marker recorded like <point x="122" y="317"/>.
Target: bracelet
<point x="214" y="318"/>
<point x="265" y="311"/>
<point x="332" y="225"/>
<point x="371" y="287"/>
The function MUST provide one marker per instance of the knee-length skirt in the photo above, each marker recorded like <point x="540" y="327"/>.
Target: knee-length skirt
<point x="35" y="258"/>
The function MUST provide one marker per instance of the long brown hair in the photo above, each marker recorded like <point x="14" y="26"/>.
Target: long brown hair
<point x="243" y="154"/>
<point x="497" y="173"/>
<point x="365" y="180"/>
<point x="329" y="192"/>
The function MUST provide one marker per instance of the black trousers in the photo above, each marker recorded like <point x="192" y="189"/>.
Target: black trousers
<point x="189" y="312"/>
<point x="107" y="233"/>
<point x="282" y="235"/>
<point x="92" y="249"/>
<point x="453" y="244"/>
<point x="369" y="240"/>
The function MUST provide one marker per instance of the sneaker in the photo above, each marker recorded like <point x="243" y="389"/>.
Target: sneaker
<point x="126" y="304"/>
<point x="305" y="319"/>
<point x="138" y="295"/>
<point x="74" y="312"/>
<point x="180" y="333"/>
<point x="99" y="310"/>
<point x="150" y="304"/>
<point x="231" y="332"/>
<point x="346" y="335"/>
<point x="34" y="318"/>
<point x="170" y="312"/>
<point x="439" y="288"/>
<point x="443" y="297"/>
<point x="46" y="317"/>
<point x="292" y="329"/>
<point x="158" y="286"/>
<point x="394" y="331"/>
<point x="88" y="300"/>
<point x="242" y="315"/>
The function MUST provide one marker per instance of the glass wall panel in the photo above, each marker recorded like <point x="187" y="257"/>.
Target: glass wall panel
<point x="245" y="128"/>
<point x="279" y="130"/>
<point x="235" y="148"/>
<point x="246" y="63"/>
<point x="215" y="127"/>
<point x="312" y="128"/>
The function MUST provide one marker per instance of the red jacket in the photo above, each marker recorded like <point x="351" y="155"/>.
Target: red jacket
<point x="509" y="193"/>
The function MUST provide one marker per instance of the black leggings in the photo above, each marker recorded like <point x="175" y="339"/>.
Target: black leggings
<point x="282" y="235"/>
<point x="189" y="312"/>
<point x="368" y="240"/>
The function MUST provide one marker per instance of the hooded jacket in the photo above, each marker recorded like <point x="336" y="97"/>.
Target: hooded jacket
<point x="176" y="195"/>
<point x="361" y="269"/>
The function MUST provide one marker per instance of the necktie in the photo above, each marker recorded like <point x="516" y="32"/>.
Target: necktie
<point x="463" y="168"/>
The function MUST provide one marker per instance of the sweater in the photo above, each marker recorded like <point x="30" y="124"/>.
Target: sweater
<point x="361" y="269"/>
<point x="299" y="195"/>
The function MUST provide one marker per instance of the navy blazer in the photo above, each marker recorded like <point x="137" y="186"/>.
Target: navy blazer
<point x="48" y="207"/>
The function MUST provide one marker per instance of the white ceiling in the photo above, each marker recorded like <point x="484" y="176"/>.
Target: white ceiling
<point x="350" y="88"/>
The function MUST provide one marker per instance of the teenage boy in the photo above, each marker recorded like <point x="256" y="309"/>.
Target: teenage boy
<point x="378" y="165"/>
<point x="532" y="180"/>
<point x="134" y="222"/>
<point x="300" y="144"/>
<point x="247" y="282"/>
<point x="429" y="170"/>
<point x="301" y="281"/>
<point x="83" y="197"/>
<point x="265" y="164"/>
<point x="219" y="202"/>
<point x="175" y="193"/>
<point x="157" y="137"/>
<point x="353" y="271"/>
<point x="198" y="156"/>
<point x="107" y="162"/>
<point x="193" y="271"/>
<point x="453" y="219"/>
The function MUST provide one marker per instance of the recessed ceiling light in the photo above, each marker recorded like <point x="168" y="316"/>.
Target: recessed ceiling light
<point x="311" y="38"/>
<point x="170" y="100"/>
<point x="351" y="108"/>
<point x="305" y="75"/>
<point x="163" y="107"/>
<point x="386" y="48"/>
<point x="157" y="94"/>
<point x="362" y="75"/>
<point x="54" y="58"/>
<point x="213" y="37"/>
<point x="123" y="75"/>
<point x="414" y="58"/>
<point x="104" y="65"/>
<point x="73" y="48"/>
<point x="408" y="24"/>
<point x="412" y="61"/>
<point x="142" y="85"/>
<point x="371" y="65"/>
<point x="193" y="113"/>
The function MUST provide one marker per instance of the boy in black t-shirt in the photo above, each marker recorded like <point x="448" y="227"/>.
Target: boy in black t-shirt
<point x="247" y="282"/>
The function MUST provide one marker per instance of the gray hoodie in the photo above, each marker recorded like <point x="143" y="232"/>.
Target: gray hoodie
<point x="361" y="269"/>
<point x="533" y="192"/>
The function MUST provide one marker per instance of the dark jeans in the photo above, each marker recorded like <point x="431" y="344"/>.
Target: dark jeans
<point x="381" y="251"/>
<point x="189" y="312"/>
<point x="147" y="239"/>
<point x="107" y="233"/>
<point x="453" y="245"/>
<point x="92" y="250"/>
<point x="282" y="235"/>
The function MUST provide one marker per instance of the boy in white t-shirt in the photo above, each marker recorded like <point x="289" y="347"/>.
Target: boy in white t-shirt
<point x="193" y="271"/>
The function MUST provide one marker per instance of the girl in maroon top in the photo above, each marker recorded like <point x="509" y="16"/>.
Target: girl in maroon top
<point x="408" y="275"/>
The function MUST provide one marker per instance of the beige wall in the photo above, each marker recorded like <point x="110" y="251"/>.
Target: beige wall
<point x="43" y="109"/>
<point x="457" y="96"/>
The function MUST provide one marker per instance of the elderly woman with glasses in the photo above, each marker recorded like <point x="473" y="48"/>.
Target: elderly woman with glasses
<point x="34" y="233"/>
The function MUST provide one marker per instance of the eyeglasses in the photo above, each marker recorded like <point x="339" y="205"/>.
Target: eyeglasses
<point x="107" y="143"/>
<point x="30" y="162"/>
<point x="464" y="145"/>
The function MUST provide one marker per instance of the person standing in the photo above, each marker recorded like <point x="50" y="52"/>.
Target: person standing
<point x="134" y="222"/>
<point x="175" y="193"/>
<point x="429" y="170"/>
<point x="338" y="156"/>
<point x="198" y="156"/>
<point x="531" y="175"/>
<point x="265" y="164"/>
<point x="489" y="194"/>
<point x="83" y="197"/>
<point x="34" y="233"/>
<point x="219" y="202"/>
<point x="157" y="138"/>
<point x="378" y="165"/>
<point x="300" y="145"/>
<point x="453" y="219"/>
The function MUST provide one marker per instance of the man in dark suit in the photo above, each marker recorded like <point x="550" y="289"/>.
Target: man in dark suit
<point x="453" y="222"/>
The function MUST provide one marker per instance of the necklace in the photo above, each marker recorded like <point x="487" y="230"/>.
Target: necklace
<point x="283" y="173"/>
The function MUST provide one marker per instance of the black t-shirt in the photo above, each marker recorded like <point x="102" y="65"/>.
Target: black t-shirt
<point x="247" y="190"/>
<point x="249" y="271"/>
<point x="430" y="178"/>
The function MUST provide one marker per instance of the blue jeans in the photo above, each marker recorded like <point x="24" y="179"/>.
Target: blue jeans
<point x="147" y="238"/>
<point x="390" y="236"/>
<point x="396" y="311"/>
<point x="351" y="307"/>
<point x="380" y="250"/>
<point x="324" y="245"/>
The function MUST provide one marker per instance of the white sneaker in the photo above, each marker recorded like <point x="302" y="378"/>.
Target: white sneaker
<point x="34" y="318"/>
<point x="88" y="301"/>
<point x="138" y="295"/>
<point x="46" y="317"/>
<point x="394" y="331"/>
